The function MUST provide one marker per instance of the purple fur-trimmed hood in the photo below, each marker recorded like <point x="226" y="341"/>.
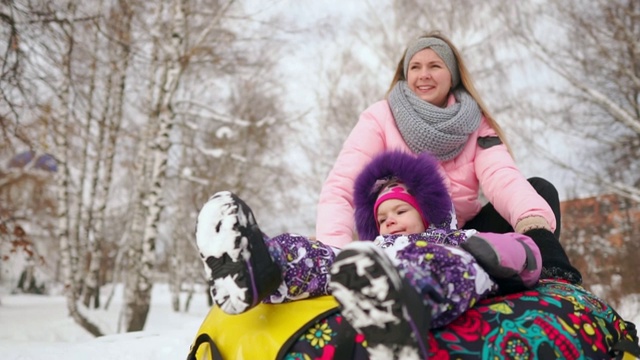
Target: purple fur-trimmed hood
<point x="421" y="176"/>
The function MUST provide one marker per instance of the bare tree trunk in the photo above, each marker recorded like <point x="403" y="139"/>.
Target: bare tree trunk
<point x="134" y="245"/>
<point x="139" y="292"/>
<point x="177" y="258"/>
<point x="141" y="174"/>
<point x="131" y="296"/>
<point x="190" y="292"/>
<point x="110" y="123"/>
<point x="68" y="249"/>
<point x="90" y="284"/>
<point x="69" y="255"/>
<point x="175" y="281"/>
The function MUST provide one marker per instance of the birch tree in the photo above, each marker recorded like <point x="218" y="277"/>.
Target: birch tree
<point x="110" y="122"/>
<point x="64" y="122"/>
<point x="63" y="42"/>
<point x="24" y="189"/>
<point x="594" y="58"/>
<point x="212" y="79"/>
<point x="139" y="285"/>
<point x="585" y="118"/>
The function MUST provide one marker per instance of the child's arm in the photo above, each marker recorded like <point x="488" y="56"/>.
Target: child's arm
<point x="512" y="259"/>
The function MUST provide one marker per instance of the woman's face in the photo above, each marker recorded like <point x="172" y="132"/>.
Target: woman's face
<point x="429" y="77"/>
<point x="398" y="217"/>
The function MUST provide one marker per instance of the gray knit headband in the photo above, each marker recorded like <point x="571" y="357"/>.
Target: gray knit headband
<point x="441" y="48"/>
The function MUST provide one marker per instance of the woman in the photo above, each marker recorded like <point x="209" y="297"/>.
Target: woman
<point x="432" y="106"/>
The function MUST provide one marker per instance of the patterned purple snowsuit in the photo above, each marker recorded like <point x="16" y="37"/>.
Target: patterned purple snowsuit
<point x="448" y="277"/>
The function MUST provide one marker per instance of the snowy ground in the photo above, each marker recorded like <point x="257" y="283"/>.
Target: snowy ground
<point x="36" y="327"/>
<point x="630" y="309"/>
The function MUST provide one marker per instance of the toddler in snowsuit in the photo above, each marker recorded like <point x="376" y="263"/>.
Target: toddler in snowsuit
<point x="421" y="272"/>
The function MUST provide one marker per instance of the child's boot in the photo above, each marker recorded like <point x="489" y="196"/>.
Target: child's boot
<point x="240" y="270"/>
<point x="376" y="301"/>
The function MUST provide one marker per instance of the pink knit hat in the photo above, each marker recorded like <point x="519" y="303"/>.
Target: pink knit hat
<point x="397" y="190"/>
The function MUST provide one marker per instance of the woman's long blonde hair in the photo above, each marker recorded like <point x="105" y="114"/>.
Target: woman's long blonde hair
<point x="465" y="81"/>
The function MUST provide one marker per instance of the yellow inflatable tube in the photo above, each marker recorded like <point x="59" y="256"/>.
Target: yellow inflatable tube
<point x="260" y="333"/>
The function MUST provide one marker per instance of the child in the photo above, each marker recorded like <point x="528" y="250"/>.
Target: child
<point x="417" y="260"/>
<point x="368" y="279"/>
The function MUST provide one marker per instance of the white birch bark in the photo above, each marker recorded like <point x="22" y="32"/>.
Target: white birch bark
<point x="139" y="288"/>
<point x="175" y="278"/>
<point x="84" y="218"/>
<point x="68" y="249"/>
<point x="127" y="258"/>
<point x="91" y="277"/>
<point x="121" y="58"/>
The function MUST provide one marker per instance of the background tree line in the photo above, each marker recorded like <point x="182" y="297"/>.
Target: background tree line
<point x="148" y="108"/>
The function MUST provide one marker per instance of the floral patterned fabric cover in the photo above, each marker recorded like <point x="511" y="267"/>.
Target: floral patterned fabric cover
<point x="556" y="320"/>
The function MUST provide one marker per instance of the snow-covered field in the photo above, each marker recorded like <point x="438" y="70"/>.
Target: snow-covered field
<point x="36" y="327"/>
<point x="630" y="309"/>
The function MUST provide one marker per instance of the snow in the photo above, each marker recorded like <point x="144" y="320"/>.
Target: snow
<point x="36" y="327"/>
<point x="629" y="309"/>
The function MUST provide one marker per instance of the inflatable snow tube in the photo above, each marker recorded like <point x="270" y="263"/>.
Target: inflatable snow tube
<point x="556" y="320"/>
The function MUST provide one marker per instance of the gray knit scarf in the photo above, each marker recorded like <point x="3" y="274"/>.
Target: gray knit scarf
<point x="443" y="132"/>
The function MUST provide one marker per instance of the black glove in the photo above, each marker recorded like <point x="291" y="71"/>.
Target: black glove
<point x="555" y="262"/>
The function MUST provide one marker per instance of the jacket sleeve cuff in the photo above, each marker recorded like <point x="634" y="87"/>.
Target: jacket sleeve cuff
<point x="531" y="222"/>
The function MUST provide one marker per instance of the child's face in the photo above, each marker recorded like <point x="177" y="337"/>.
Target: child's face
<point x="397" y="217"/>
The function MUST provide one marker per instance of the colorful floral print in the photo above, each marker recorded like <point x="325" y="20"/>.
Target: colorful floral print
<point x="555" y="321"/>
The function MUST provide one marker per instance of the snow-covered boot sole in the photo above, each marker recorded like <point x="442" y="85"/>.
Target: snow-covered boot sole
<point x="379" y="304"/>
<point x="240" y="270"/>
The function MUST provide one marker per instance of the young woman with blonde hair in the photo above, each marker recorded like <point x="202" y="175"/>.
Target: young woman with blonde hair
<point x="432" y="106"/>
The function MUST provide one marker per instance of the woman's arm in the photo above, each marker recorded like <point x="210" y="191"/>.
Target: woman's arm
<point x="335" y="223"/>
<point x="507" y="189"/>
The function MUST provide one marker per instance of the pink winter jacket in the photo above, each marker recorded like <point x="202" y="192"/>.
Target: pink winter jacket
<point x="494" y="169"/>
